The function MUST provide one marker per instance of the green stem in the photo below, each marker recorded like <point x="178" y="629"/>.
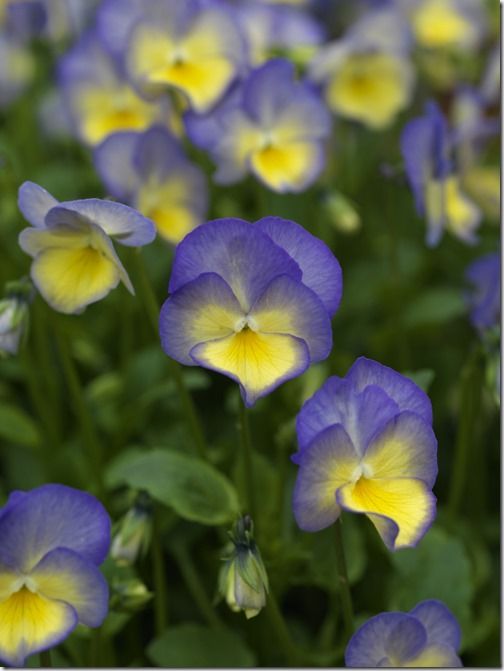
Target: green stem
<point x="81" y="409"/>
<point x="158" y="569"/>
<point x="344" y="585"/>
<point x="194" y="585"/>
<point x="45" y="659"/>
<point x="294" y="656"/>
<point x="471" y="382"/>
<point x="247" y="463"/>
<point x="152" y="309"/>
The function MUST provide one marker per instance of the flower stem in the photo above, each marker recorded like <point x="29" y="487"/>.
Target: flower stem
<point x="152" y="308"/>
<point x="294" y="656"/>
<point x="247" y="463"/>
<point x="158" y="569"/>
<point x="45" y="659"/>
<point x="344" y="585"/>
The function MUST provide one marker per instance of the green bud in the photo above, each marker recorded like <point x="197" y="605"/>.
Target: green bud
<point x="134" y="532"/>
<point x="243" y="581"/>
<point x="128" y="595"/>
<point x="14" y="316"/>
<point x="342" y="213"/>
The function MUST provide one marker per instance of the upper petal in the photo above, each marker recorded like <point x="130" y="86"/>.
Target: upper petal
<point x="405" y="640"/>
<point x="34" y="203"/>
<point x="113" y="160"/>
<point x="64" y="575"/>
<point x="201" y="310"/>
<point x="245" y="257"/>
<point x="439" y="622"/>
<point x="53" y="516"/>
<point x="321" y="270"/>
<point x="325" y="465"/>
<point x="289" y="307"/>
<point x="366" y="648"/>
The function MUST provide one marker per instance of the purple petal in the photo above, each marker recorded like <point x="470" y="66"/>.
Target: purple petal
<point x="34" y="203"/>
<point x="49" y="517"/>
<point x="405" y="640"/>
<point x="113" y="161"/>
<point x="158" y="152"/>
<point x="439" y="622"/>
<point x="321" y="270"/>
<point x="245" y="257"/>
<point x="366" y="648"/>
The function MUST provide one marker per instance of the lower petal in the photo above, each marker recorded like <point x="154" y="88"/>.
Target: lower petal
<point x="259" y="362"/>
<point x="402" y="509"/>
<point x="291" y="167"/>
<point x="435" y="656"/>
<point x="29" y="623"/>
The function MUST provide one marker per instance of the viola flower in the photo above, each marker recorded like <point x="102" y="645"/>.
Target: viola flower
<point x="444" y="24"/>
<point x="74" y="260"/>
<point x="99" y="97"/>
<point x="251" y="301"/>
<point x="427" y="636"/>
<point x="53" y="540"/>
<point x="193" y="47"/>
<point x="364" y="78"/>
<point x="272" y="126"/>
<point x="366" y="445"/>
<point x="151" y="172"/>
<point x="17" y="69"/>
<point x="426" y="148"/>
<point x="484" y="299"/>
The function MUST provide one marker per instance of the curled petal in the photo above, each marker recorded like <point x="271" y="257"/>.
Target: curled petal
<point x="439" y="622"/>
<point x="34" y="203"/>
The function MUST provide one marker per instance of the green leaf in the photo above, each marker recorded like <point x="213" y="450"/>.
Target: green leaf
<point x="435" y="307"/>
<point x="193" y="488"/>
<point x="192" y="645"/>
<point x="438" y="568"/>
<point x="17" y="427"/>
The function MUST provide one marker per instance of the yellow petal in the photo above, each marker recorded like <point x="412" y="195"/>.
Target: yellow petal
<point x="287" y="167"/>
<point x="259" y="362"/>
<point x="29" y="622"/>
<point x="437" y="23"/>
<point x="405" y="501"/>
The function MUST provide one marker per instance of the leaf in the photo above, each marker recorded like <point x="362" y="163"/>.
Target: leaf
<point x="194" y="489"/>
<point x="435" y="307"/>
<point x="438" y="568"/>
<point x="17" y="427"/>
<point x="192" y="645"/>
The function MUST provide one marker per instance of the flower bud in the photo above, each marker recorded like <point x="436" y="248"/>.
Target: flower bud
<point x="134" y="532"/>
<point x="342" y="213"/>
<point x="14" y="316"/>
<point x="129" y="595"/>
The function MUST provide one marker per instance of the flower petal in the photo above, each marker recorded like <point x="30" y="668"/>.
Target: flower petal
<point x="435" y="656"/>
<point x="402" y="509"/>
<point x="405" y="448"/>
<point x="258" y="362"/>
<point x="366" y="648"/>
<point x="325" y="465"/>
<point x="245" y="257"/>
<point x="30" y="623"/>
<point x="113" y="161"/>
<point x="49" y="517"/>
<point x="201" y="310"/>
<point x="64" y="575"/>
<point x="289" y="307"/>
<point x="288" y="167"/>
<point x="321" y="270"/>
<point x="34" y="203"/>
<point x="439" y="622"/>
<point x="405" y="640"/>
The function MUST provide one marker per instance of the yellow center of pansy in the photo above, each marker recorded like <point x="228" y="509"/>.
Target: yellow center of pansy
<point x="437" y="23"/>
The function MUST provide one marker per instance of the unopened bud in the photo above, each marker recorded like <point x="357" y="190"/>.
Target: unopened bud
<point x="134" y="532"/>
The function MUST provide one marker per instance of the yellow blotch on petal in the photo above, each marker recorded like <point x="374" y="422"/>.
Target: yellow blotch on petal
<point x="445" y="201"/>
<point x="258" y="361"/>
<point x="371" y="88"/>
<point x="29" y="622"/>
<point x="286" y="167"/>
<point x="70" y="279"/>
<point x="213" y="321"/>
<point x="438" y="24"/>
<point x="406" y="501"/>
<point x="434" y="657"/>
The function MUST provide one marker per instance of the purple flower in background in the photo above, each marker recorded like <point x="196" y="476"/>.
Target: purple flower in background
<point x="53" y="540"/>
<point x="366" y="445"/>
<point x="251" y="301"/>
<point x="272" y="126"/>
<point x="485" y="298"/>
<point x="426" y="146"/>
<point x="151" y="172"/>
<point x="427" y="636"/>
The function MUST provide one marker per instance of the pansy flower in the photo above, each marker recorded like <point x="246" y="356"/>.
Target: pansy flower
<point x="191" y="46"/>
<point x="444" y="24"/>
<point x="17" y="69"/>
<point x="99" y="97"/>
<point x="426" y="146"/>
<point x="427" y="636"/>
<point x="485" y="297"/>
<point x="74" y="260"/>
<point x="151" y="172"/>
<point x="366" y="445"/>
<point x="251" y="301"/>
<point x="53" y="540"/>
<point x="272" y="127"/>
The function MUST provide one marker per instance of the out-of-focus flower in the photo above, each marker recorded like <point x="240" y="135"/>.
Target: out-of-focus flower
<point x="366" y="445"/>
<point x="426" y="148"/>
<point x="251" y="301"/>
<point x="471" y="126"/>
<point x="99" y="97"/>
<point x="133" y="534"/>
<point x="194" y="47"/>
<point x="49" y="19"/>
<point x="482" y="184"/>
<point x="363" y="78"/>
<point x="14" y="315"/>
<point x="484" y="299"/>
<point x="17" y="69"/>
<point x="151" y="172"/>
<point x="243" y="580"/>
<point x="490" y="84"/>
<point x="427" y="636"/>
<point x="272" y="126"/>
<point x="439" y="24"/>
<point x="53" y="540"/>
<point x="74" y="260"/>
